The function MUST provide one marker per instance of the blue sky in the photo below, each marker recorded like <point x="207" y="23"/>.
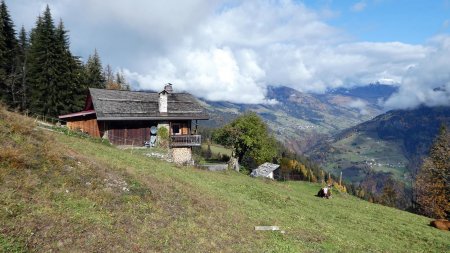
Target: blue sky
<point x="409" y="21"/>
<point x="232" y="50"/>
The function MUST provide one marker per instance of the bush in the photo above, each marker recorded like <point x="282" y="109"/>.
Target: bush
<point x="163" y="137"/>
<point x="225" y="158"/>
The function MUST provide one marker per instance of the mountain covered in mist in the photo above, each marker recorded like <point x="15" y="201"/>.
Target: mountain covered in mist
<point x="300" y="119"/>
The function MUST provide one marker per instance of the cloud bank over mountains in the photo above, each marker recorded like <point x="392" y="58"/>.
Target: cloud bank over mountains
<point x="427" y="83"/>
<point x="233" y="50"/>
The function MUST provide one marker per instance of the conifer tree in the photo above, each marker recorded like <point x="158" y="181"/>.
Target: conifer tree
<point x="22" y="70"/>
<point x="70" y="78"/>
<point x="3" y="85"/>
<point x="432" y="183"/>
<point x="9" y="50"/>
<point x="42" y="66"/>
<point x="93" y="72"/>
<point x="54" y="74"/>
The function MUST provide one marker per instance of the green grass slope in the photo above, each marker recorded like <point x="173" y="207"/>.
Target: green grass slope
<point x="68" y="194"/>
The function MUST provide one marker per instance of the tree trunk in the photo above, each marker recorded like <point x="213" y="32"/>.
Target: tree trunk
<point x="233" y="164"/>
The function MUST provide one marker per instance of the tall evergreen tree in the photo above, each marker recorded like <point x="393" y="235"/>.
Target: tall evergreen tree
<point x="70" y="78"/>
<point x="3" y="85"/>
<point x="9" y="62"/>
<point x="94" y="75"/>
<point x="22" y="70"/>
<point x="53" y="72"/>
<point x="433" y="181"/>
<point x="42" y="69"/>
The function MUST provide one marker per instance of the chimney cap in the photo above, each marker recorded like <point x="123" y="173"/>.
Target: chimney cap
<point x="168" y="88"/>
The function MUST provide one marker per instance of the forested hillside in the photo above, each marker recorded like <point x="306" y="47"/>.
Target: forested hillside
<point x="384" y="152"/>
<point x="38" y="72"/>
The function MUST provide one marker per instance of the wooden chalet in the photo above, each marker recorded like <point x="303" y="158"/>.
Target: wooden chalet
<point x="126" y="117"/>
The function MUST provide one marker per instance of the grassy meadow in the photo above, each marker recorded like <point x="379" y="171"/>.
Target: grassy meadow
<point x="70" y="194"/>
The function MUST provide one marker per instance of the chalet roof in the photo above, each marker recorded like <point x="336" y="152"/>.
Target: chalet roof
<point x="136" y="105"/>
<point x="264" y="170"/>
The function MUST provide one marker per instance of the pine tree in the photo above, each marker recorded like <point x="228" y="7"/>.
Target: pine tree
<point x="432" y="184"/>
<point x="70" y="77"/>
<point x="9" y="50"/>
<point x="93" y="72"/>
<point x="54" y="74"/>
<point x="22" y="70"/>
<point x="3" y="85"/>
<point x="42" y="66"/>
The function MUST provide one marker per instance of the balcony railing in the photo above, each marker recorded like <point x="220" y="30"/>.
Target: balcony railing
<point x="185" y="140"/>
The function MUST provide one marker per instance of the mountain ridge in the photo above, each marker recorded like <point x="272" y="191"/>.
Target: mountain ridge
<point x="301" y="120"/>
<point x="394" y="142"/>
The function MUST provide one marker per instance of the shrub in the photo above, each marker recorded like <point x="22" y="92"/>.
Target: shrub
<point x="163" y="137"/>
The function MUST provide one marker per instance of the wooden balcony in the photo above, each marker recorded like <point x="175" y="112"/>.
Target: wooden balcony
<point x="185" y="140"/>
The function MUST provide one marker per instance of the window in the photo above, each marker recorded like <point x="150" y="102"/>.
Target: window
<point x="176" y="129"/>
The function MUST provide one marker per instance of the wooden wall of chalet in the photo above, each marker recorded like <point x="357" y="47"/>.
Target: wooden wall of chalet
<point x="129" y="132"/>
<point x="86" y="125"/>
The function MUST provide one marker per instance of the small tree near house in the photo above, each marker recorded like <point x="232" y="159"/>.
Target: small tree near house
<point x="163" y="137"/>
<point x="249" y="138"/>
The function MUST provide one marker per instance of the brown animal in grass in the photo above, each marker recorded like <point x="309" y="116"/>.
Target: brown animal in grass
<point x="325" y="192"/>
<point x="441" y="224"/>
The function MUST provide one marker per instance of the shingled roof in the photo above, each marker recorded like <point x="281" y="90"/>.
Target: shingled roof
<point x="136" y="105"/>
<point x="264" y="170"/>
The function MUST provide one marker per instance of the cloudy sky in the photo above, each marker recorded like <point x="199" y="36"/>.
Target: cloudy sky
<point x="232" y="50"/>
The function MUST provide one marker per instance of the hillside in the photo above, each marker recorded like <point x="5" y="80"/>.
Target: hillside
<point x="67" y="193"/>
<point x="390" y="144"/>
<point x="300" y="119"/>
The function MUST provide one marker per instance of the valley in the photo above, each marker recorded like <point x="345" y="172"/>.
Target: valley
<point x="301" y="120"/>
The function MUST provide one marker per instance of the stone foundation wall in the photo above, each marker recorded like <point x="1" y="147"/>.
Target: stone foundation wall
<point x="182" y="155"/>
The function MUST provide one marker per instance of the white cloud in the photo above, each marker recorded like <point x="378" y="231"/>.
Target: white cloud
<point x="359" y="6"/>
<point x="359" y="104"/>
<point x="427" y="83"/>
<point x="247" y="47"/>
<point x="226" y="49"/>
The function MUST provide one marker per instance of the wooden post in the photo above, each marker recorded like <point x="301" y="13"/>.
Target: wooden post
<point x="340" y="179"/>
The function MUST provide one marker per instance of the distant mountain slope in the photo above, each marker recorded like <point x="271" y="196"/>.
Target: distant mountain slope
<point x="300" y="119"/>
<point x="372" y="93"/>
<point x="391" y="143"/>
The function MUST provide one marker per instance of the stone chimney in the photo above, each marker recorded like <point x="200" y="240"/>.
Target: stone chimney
<point x="163" y="98"/>
<point x="168" y="88"/>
